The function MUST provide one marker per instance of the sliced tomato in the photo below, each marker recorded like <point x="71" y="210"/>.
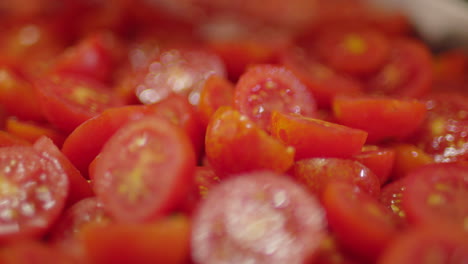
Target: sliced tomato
<point x="407" y="158"/>
<point x="360" y="222"/>
<point x="316" y="138"/>
<point x="34" y="190"/>
<point x="88" y="211"/>
<point x="236" y="144"/>
<point x="31" y="131"/>
<point x="383" y="118"/>
<point x="17" y="95"/>
<point x="353" y="50"/>
<point x="391" y="196"/>
<point x="323" y="82"/>
<point x="437" y="194"/>
<point x="378" y="159"/>
<point x="444" y="134"/>
<point x="125" y="179"/>
<point x="264" y="88"/>
<point x="91" y="58"/>
<point x="408" y="73"/>
<point x="86" y="141"/>
<point x="450" y="66"/>
<point x="181" y="71"/>
<point x="330" y="251"/>
<point x="67" y="100"/>
<point x="79" y="186"/>
<point x="317" y="173"/>
<point x="427" y="245"/>
<point x="242" y="216"/>
<point x="216" y="92"/>
<point x="161" y="241"/>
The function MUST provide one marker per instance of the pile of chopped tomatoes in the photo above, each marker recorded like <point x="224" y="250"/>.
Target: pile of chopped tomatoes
<point x="208" y="132"/>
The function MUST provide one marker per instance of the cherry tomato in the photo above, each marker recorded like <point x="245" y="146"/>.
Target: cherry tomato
<point x="8" y="140"/>
<point x="360" y="222"/>
<point x="227" y="137"/>
<point x="407" y="158"/>
<point x="379" y="160"/>
<point x="316" y="138"/>
<point x="264" y="88"/>
<point x="436" y="194"/>
<point x="31" y="132"/>
<point x="391" y="196"/>
<point x="317" y="173"/>
<point x="260" y="217"/>
<point x="216" y="92"/>
<point x="33" y="252"/>
<point x="124" y="177"/>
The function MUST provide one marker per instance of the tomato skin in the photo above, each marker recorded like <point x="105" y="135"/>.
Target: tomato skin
<point x="32" y="252"/>
<point x="408" y="157"/>
<point x="360" y="222"/>
<point x="323" y="82"/>
<point x="216" y="92"/>
<point x="408" y="72"/>
<point x="382" y="118"/>
<point x="317" y="173"/>
<point x="35" y="182"/>
<point x="162" y="241"/>
<point x="436" y="195"/>
<point x="353" y="50"/>
<point x="79" y="187"/>
<point x="125" y="179"/>
<point x="8" y="140"/>
<point x="434" y="244"/>
<point x="242" y="215"/>
<point x="316" y="138"/>
<point x="379" y="160"/>
<point x="68" y="100"/>
<point x="228" y="134"/>
<point x="264" y="88"/>
<point x="31" y="132"/>
<point x="391" y="196"/>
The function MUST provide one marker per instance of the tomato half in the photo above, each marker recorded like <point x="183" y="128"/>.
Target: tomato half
<point x="379" y="160"/>
<point x="264" y="88"/>
<point x="316" y="138"/>
<point x="34" y="190"/>
<point x="144" y="170"/>
<point x="260" y="217"/>
<point x="216" y="92"/>
<point x="33" y="252"/>
<point x="360" y="222"/>
<point x="234" y="144"/>
<point x="31" y="131"/>
<point x="317" y="173"/>
<point x="382" y="118"/>
<point x="67" y="101"/>
<point x="436" y="194"/>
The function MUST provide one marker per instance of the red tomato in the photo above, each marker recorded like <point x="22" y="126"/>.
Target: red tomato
<point x="67" y="101"/>
<point x="427" y="245"/>
<point x="379" y="160"/>
<point x="181" y="71"/>
<point x="17" y="95"/>
<point x="317" y="173"/>
<point x="236" y="144"/>
<point x="264" y="88"/>
<point x="31" y="132"/>
<point x="330" y="252"/>
<point x="408" y="72"/>
<point x="360" y="222"/>
<point x="79" y="187"/>
<point x="261" y="217"/>
<point x="161" y="241"/>
<point x="407" y="158"/>
<point x="316" y="138"/>
<point x="88" y="211"/>
<point x="391" y="196"/>
<point x="321" y="81"/>
<point x="382" y="118"/>
<point x="32" y="252"/>
<point x="34" y="190"/>
<point x="436" y="194"/>
<point x="8" y="140"/>
<point x="357" y="51"/>
<point x="125" y="179"/>
<point x="216" y="92"/>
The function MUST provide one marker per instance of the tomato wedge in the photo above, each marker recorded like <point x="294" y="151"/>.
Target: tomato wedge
<point x="264" y="88"/>
<point x="317" y="173"/>
<point x="379" y="160"/>
<point x="382" y="118"/>
<point x="437" y="194"/>
<point x="360" y="222"/>
<point x="227" y="137"/>
<point x="316" y="138"/>
<point x="216" y="92"/>
<point x="144" y="170"/>
<point x="258" y="217"/>
<point x="34" y="190"/>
